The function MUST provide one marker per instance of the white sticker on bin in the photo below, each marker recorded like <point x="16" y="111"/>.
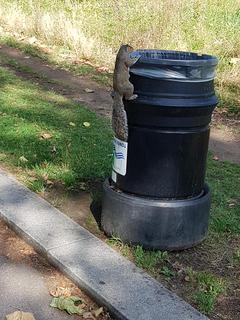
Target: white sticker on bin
<point x="114" y="176"/>
<point x="120" y="156"/>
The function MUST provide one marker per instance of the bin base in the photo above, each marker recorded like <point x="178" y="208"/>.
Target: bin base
<point x="155" y="223"/>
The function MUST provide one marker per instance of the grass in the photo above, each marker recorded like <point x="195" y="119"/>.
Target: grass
<point x="148" y="260"/>
<point x="73" y="32"/>
<point x="117" y="243"/>
<point x="44" y="134"/>
<point x="209" y="287"/>
<point x="224" y="181"/>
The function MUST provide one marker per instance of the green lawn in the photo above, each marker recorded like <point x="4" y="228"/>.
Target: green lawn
<point x="46" y="135"/>
<point x="224" y="181"/>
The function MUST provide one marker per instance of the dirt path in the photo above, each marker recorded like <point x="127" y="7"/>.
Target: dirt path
<point x="225" y="144"/>
<point x="62" y="81"/>
<point x="224" y="140"/>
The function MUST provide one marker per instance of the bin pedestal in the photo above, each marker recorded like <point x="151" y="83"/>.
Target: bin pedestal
<point x="154" y="223"/>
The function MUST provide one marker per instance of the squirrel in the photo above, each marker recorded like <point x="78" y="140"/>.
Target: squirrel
<point x="122" y="89"/>
<point x="119" y="118"/>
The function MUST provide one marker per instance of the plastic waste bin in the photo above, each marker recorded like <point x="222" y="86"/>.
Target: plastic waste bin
<point x="157" y="196"/>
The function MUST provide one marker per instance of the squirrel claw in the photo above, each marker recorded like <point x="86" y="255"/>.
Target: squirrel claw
<point x="133" y="97"/>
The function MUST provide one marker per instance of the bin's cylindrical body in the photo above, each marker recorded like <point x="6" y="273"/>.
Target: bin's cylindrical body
<point x="169" y="124"/>
<point x="157" y="197"/>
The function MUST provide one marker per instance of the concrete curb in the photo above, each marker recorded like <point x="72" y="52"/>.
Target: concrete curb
<point x="113" y="281"/>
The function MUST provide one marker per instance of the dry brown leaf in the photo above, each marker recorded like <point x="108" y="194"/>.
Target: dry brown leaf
<point x="88" y="315"/>
<point x="231" y="205"/>
<point x="235" y="60"/>
<point x="23" y="159"/>
<point x="46" y="135"/>
<point x="20" y="315"/>
<point x="2" y="155"/>
<point x="233" y="202"/>
<point x="49" y="182"/>
<point x="45" y="49"/>
<point x="54" y="150"/>
<point x="60" y="291"/>
<point x="103" y="69"/>
<point x="32" y="179"/>
<point x="86" y="124"/>
<point x="88" y="90"/>
<point x="45" y="176"/>
<point x="32" y="40"/>
<point x="98" y="312"/>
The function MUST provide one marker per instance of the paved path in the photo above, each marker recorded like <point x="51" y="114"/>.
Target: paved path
<point x="127" y="292"/>
<point x="23" y="288"/>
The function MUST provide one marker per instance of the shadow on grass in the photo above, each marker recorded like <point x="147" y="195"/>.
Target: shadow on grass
<point x="71" y="152"/>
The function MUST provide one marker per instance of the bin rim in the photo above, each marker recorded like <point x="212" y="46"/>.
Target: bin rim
<point x="182" y="58"/>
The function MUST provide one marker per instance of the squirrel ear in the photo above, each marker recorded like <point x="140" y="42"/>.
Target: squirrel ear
<point x="116" y="51"/>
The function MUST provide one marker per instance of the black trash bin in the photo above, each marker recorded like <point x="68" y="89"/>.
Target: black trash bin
<point x="160" y="199"/>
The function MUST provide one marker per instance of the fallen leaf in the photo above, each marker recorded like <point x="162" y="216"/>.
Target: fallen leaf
<point x="98" y="312"/>
<point x="45" y="50"/>
<point x="54" y="150"/>
<point x="49" y="182"/>
<point x="60" y="291"/>
<point x="20" y="315"/>
<point x="89" y="90"/>
<point x="233" y="202"/>
<point x="32" y="40"/>
<point x="23" y="159"/>
<point x="46" y="135"/>
<point x="32" y="179"/>
<point x="87" y="124"/>
<point x="68" y="304"/>
<point x="177" y="266"/>
<point x="102" y="69"/>
<point x="72" y="124"/>
<point x="215" y="158"/>
<point x="45" y="176"/>
<point x="2" y="155"/>
<point x="88" y="315"/>
<point x="234" y="60"/>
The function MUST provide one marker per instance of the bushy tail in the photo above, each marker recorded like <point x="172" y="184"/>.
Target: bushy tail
<point x="119" y="118"/>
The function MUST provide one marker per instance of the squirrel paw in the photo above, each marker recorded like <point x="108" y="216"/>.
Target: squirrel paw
<point x="133" y="97"/>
